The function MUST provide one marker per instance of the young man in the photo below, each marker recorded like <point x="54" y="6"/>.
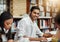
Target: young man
<point x="28" y="27"/>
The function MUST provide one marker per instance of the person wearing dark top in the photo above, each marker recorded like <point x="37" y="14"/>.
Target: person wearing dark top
<point x="6" y="20"/>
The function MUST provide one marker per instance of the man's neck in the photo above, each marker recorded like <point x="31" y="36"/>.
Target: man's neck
<point x="31" y="19"/>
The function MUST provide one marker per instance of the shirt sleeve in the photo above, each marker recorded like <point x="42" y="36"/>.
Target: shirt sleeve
<point x="21" y="28"/>
<point x="38" y="32"/>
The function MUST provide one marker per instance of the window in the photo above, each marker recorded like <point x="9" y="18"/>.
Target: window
<point x="2" y="5"/>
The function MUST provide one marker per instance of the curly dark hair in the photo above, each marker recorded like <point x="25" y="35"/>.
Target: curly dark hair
<point x="34" y="7"/>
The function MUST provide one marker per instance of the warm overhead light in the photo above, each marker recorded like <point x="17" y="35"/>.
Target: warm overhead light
<point x="53" y="2"/>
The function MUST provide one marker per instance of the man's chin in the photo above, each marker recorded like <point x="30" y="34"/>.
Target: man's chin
<point x="35" y="19"/>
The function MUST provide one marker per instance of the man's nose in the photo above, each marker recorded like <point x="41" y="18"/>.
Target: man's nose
<point x="37" y="14"/>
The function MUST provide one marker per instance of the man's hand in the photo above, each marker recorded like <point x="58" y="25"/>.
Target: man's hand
<point x="43" y="39"/>
<point x="47" y="35"/>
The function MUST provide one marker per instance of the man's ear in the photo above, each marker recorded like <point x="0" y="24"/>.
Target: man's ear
<point x="30" y="13"/>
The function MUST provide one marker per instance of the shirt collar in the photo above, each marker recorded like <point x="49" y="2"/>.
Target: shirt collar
<point x="6" y="31"/>
<point x="31" y="20"/>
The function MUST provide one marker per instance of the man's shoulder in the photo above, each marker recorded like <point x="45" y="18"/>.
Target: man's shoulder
<point x="24" y="19"/>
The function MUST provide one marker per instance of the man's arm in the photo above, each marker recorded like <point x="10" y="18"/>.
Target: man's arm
<point x="21" y="28"/>
<point x="35" y="39"/>
<point x="47" y="35"/>
<point x="43" y="34"/>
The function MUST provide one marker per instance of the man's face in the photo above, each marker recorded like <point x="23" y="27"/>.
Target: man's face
<point x="35" y="14"/>
<point x="8" y="23"/>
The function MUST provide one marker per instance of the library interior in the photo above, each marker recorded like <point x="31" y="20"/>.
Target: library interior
<point x="29" y="20"/>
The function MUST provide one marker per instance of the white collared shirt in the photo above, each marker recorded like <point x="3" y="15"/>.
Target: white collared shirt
<point x="28" y="28"/>
<point x="4" y="39"/>
<point x="6" y="31"/>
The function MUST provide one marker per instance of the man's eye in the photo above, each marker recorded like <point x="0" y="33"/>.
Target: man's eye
<point x="36" y="13"/>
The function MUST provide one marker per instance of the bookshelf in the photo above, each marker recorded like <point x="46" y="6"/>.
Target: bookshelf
<point x="48" y="10"/>
<point x="44" y="23"/>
